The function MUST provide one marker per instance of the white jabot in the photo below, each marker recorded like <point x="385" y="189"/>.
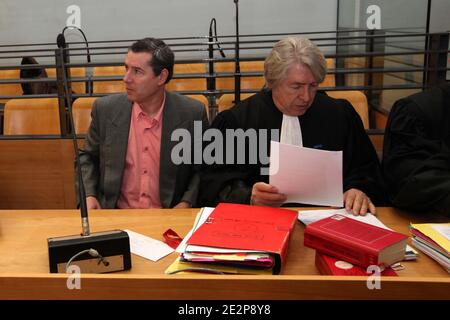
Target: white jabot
<point x="291" y="132"/>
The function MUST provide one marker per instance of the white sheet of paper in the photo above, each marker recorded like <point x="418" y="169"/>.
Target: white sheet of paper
<point x="310" y="216"/>
<point x="205" y="212"/>
<point x="147" y="247"/>
<point x="306" y="175"/>
<point x="443" y="229"/>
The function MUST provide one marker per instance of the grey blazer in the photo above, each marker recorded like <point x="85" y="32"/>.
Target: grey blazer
<point x="105" y="147"/>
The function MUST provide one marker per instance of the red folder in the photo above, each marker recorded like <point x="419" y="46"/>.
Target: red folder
<point x="244" y="227"/>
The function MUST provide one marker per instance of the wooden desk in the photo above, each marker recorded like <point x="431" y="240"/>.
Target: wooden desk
<point x="24" y="264"/>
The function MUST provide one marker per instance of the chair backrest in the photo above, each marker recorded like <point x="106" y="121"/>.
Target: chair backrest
<point x="199" y="97"/>
<point x="358" y="101"/>
<point x="255" y="83"/>
<point x="187" y="83"/>
<point x="202" y="99"/>
<point x="258" y="81"/>
<point x="81" y="109"/>
<point x="226" y="101"/>
<point x="108" y="86"/>
<point x="31" y="116"/>
<point x="330" y="79"/>
<point x="77" y="87"/>
<point x="10" y="89"/>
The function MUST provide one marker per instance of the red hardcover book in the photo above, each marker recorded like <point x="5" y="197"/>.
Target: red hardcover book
<point x="355" y="242"/>
<point x="244" y="227"/>
<point x="334" y="267"/>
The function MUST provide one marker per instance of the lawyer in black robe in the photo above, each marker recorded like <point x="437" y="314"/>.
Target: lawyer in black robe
<point x="329" y="124"/>
<point x="416" y="153"/>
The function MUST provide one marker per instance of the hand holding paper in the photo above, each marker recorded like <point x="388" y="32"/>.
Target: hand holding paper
<point x="264" y="194"/>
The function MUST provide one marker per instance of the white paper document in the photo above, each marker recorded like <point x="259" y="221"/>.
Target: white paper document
<point x="306" y="175"/>
<point x="443" y="229"/>
<point x="203" y="215"/>
<point x="310" y="216"/>
<point x="147" y="247"/>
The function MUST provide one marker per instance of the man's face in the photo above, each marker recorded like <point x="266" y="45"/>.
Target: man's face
<point x="140" y="81"/>
<point x="294" y="94"/>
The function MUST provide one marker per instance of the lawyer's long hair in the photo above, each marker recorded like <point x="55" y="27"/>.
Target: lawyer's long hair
<point x="292" y="50"/>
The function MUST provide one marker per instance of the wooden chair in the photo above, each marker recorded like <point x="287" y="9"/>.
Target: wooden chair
<point x="226" y="101"/>
<point x="330" y="79"/>
<point x="10" y="89"/>
<point x="199" y="97"/>
<point x="358" y="101"/>
<point x="77" y="87"/>
<point x="202" y="99"/>
<point x="187" y="84"/>
<point x="258" y="82"/>
<point x="81" y="109"/>
<point x="355" y="79"/>
<point x="255" y="83"/>
<point x="31" y="116"/>
<point x="108" y="86"/>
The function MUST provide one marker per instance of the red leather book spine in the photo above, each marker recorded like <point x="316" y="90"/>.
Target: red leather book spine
<point x="338" y="249"/>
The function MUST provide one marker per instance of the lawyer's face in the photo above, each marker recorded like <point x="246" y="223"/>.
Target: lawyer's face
<point x="294" y="94"/>
<point x="140" y="81"/>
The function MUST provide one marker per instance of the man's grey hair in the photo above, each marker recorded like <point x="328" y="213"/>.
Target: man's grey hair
<point x="290" y="51"/>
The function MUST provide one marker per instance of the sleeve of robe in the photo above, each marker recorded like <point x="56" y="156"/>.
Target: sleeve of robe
<point x="416" y="166"/>
<point x="362" y="168"/>
<point x="222" y="182"/>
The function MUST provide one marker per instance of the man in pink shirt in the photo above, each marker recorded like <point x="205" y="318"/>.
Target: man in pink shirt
<point x="126" y="160"/>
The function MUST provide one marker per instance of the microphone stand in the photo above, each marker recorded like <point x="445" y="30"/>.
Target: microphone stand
<point x="211" y="84"/>
<point x="98" y="252"/>
<point x="237" y="77"/>
<point x="81" y="189"/>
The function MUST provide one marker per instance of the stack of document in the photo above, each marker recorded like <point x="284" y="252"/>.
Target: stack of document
<point x="234" y="238"/>
<point x="434" y="240"/>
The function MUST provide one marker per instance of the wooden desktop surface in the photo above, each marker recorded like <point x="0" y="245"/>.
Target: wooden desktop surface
<point x="24" y="269"/>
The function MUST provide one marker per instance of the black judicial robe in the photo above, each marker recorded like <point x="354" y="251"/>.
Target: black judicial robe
<point x="329" y="124"/>
<point x="416" y="154"/>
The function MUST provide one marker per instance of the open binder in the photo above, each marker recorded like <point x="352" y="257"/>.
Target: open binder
<point x="251" y="237"/>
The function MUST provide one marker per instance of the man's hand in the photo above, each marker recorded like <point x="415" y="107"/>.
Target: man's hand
<point x="264" y="194"/>
<point x="358" y="202"/>
<point x="183" y="205"/>
<point x="92" y="203"/>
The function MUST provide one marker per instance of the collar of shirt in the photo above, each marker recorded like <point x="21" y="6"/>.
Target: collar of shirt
<point x="143" y="118"/>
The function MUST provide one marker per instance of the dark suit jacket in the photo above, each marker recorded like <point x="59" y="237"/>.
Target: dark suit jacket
<point x="105" y="147"/>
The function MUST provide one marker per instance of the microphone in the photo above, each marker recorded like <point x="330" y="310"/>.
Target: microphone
<point x="61" y="42"/>
<point x="111" y="248"/>
<point x="61" y="39"/>
<point x="213" y="21"/>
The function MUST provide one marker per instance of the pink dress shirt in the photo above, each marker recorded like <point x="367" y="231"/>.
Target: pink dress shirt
<point x="140" y="185"/>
